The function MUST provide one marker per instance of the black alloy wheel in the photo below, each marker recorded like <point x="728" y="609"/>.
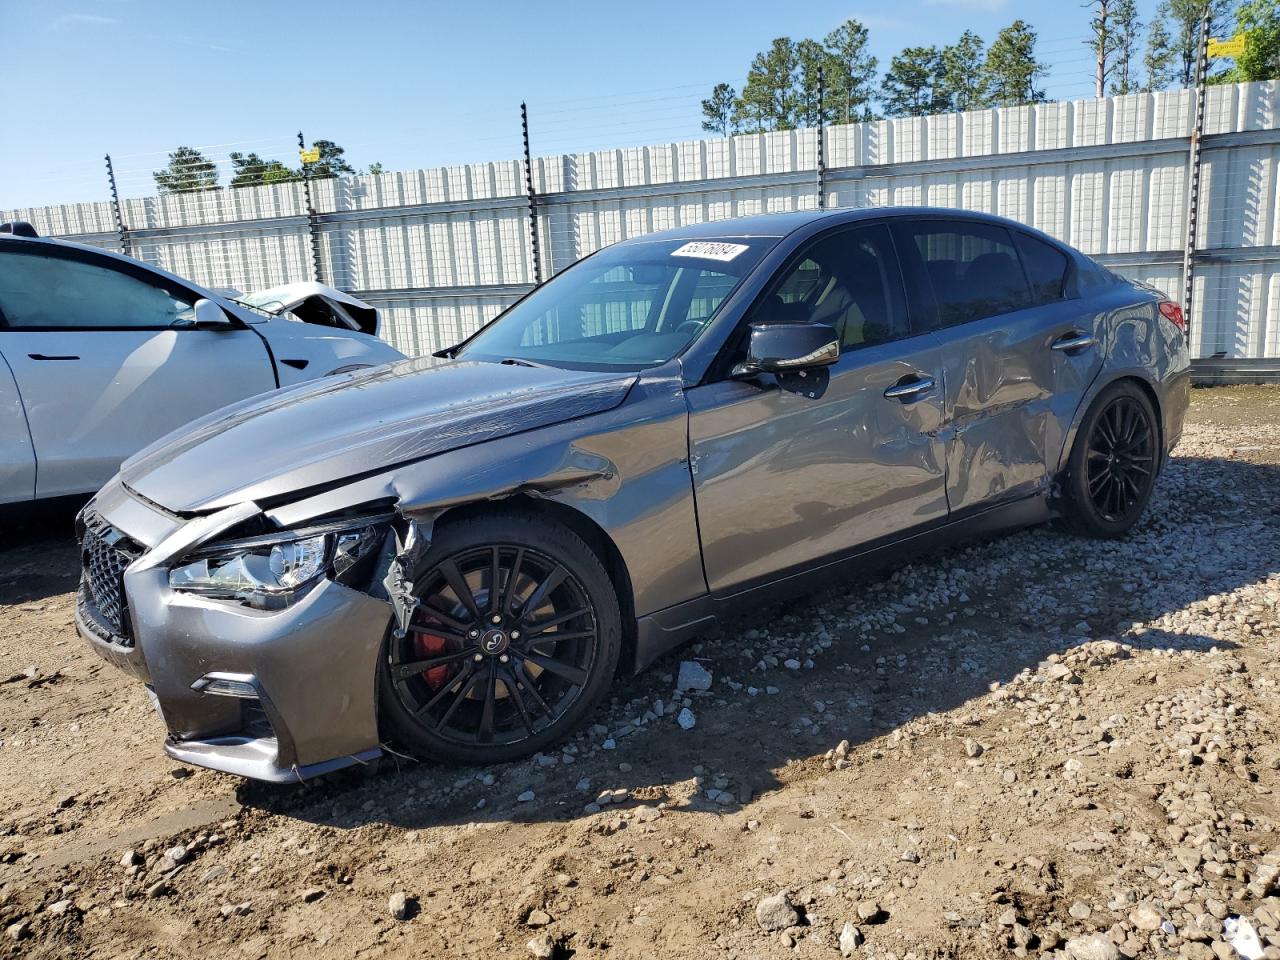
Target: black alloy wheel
<point x="1121" y="459"/>
<point x="508" y="646"/>
<point x="1114" y="463"/>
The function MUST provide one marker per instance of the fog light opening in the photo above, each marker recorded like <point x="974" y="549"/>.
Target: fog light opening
<point x="241" y="686"/>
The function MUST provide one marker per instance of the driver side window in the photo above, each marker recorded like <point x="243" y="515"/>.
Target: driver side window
<point x="56" y="293"/>
<point x="849" y="280"/>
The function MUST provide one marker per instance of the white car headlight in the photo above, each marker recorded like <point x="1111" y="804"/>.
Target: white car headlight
<point x="270" y="572"/>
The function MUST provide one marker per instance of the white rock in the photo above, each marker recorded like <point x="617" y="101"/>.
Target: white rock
<point x="1096" y="947"/>
<point x="850" y="939"/>
<point x="693" y="676"/>
<point x="776" y="912"/>
<point x="686" y="719"/>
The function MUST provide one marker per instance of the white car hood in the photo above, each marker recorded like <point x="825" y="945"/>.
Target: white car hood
<point x="313" y="302"/>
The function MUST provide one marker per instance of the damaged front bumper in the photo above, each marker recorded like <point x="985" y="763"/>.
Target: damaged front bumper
<point x="277" y="695"/>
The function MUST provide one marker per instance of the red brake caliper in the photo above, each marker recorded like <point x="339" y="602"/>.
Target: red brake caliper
<point x="426" y="645"/>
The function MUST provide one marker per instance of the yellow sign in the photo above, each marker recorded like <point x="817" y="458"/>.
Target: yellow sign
<point x="310" y="156"/>
<point x="1227" y="48"/>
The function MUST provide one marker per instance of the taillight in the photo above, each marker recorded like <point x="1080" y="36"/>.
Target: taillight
<point x="1173" y="312"/>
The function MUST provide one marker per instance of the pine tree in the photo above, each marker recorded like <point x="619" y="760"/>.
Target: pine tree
<point x="964" y="83"/>
<point x="913" y="83"/>
<point x="250" y="170"/>
<point x="1126" y="31"/>
<point x="188" y="170"/>
<point x="718" y="112"/>
<point x="769" y="99"/>
<point x="1012" y="68"/>
<point x="1158" y="59"/>
<point x="852" y="75"/>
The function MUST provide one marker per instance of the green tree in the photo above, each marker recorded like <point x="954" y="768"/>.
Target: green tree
<point x="331" y="162"/>
<point x="1126" y="32"/>
<point x="1011" y="67"/>
<point x="851" y="73"/>
<point x="1182" y="18"/>
<point x="376" y="169"/>
<point x="718" y="110"/>
<point x="1158" y="59"/>
<point x="1259" y="20"/>
<point x="770" y="100"/>
<point x="812" y="100"/>
<point x="188" y="171"/>
<point x="913" y="83"/>
<point x="250" y="170"/>
<point x="964" y="82"/>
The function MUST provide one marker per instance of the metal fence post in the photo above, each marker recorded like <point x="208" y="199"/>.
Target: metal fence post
<point x="1193" y="175"/>
<point x="822" y="135"/>
<point x="126" y="245"/>
<point x="533" y="201"/>
<point x="312" y="226"/>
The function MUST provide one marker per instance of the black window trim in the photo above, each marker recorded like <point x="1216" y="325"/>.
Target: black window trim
<point x="93" y="259"/>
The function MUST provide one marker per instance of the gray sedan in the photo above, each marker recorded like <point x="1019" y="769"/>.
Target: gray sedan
<point x="458" y="554"/>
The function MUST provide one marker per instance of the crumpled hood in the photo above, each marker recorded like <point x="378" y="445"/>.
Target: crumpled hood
<point x="338" y="427"/>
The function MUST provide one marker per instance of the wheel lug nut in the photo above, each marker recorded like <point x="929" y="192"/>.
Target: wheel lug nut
<point x="515" y="634"/>
<point x="496" y="618"/>
<point x="503" y="659"/>
<point x="478" y="657"/>
<point x="473" y="634"/>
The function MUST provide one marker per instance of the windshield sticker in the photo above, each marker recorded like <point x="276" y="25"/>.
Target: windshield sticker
<point x="710" y="251"/>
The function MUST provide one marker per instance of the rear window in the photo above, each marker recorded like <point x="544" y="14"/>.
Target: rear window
<point x="973" y="268"/>
<point x="1046" y="268"/>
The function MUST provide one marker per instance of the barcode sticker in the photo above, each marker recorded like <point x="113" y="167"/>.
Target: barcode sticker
<point x="708" y="250"/>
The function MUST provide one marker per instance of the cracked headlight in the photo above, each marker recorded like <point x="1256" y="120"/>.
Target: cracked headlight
<point x="270" y="572"/>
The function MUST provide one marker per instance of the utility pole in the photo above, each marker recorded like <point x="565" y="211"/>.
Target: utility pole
<point x="312" y="226"/>
<point x="533" y="202"/>
<point x="1193" y="175"/>
<point x="126" y="245"/>
<point x="822" y="135"/>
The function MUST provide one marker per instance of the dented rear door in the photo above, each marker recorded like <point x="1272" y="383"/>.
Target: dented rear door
<point x="1015" y="369"/>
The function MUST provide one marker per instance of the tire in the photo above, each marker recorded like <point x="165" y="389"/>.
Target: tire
<point x="465" y="689"/>
<point x="1114" y="464"/>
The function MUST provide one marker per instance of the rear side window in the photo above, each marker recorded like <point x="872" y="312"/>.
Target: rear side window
<point x="973" y="268"/>
<point x="53" y="293"/>
<point x="1046" y="268"/>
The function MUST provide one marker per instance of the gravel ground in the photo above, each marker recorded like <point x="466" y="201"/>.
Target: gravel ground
<point x="1039" y="746"/>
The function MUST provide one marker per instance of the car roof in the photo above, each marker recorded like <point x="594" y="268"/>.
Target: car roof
<point x="779" y="225"/>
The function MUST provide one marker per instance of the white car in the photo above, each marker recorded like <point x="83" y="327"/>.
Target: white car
<point x="101" y="354"/>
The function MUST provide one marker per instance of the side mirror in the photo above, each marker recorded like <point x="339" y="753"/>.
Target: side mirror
<point x="210" y="316"/>
<point x="784" y="347"/>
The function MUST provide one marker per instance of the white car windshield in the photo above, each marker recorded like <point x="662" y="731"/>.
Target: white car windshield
<point x="631" y="306"/>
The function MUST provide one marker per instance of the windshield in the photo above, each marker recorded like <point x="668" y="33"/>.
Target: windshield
<point x="267" y="303"/>
<point x="630" y="306"/>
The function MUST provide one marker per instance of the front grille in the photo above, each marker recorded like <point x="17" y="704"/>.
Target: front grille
<point x="105" y="552"/>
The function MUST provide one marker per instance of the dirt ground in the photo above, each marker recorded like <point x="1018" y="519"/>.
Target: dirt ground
<point x="1036" y="746"/>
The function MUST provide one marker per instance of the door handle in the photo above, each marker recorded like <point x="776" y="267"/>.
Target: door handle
<point x="45" y="356"/>
<point x="910" y="390"/>
<point x="1075" y="340"/>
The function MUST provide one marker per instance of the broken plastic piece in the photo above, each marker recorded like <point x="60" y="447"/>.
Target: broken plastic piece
<point x="411" y="544"/>
<point x="1239" y="932"/>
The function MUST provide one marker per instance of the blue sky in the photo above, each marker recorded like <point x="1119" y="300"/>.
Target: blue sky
<point x="411" y="84"/>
